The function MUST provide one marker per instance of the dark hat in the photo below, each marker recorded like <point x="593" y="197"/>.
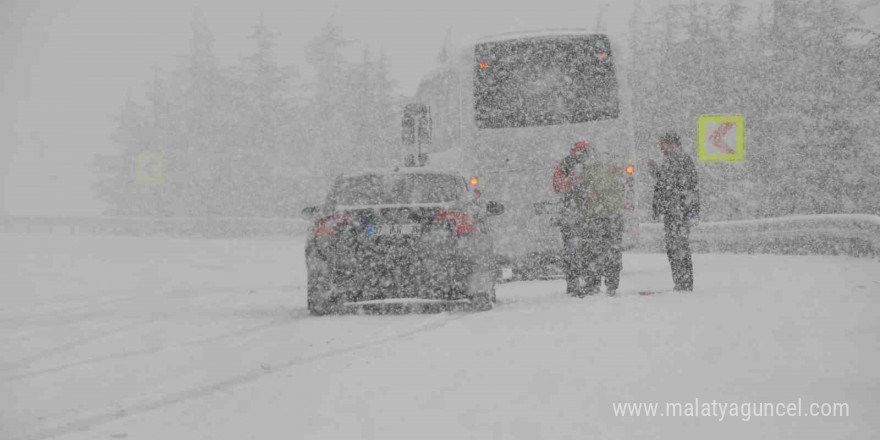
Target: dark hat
<point x="579" y="146"/>
<point x="670" y="137"/>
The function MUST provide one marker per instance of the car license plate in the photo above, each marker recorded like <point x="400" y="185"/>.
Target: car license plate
<point x="394" y="230"/>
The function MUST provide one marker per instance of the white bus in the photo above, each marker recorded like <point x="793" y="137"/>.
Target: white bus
<point x="509" y="107"/>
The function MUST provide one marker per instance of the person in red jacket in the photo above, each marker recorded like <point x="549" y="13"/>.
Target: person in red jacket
<point x="591" y="220"/>
<point x="573" y="204"/>
<point x="563" y="177"/>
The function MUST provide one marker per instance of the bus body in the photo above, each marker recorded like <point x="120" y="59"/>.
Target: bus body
<point x="508" y="108"/>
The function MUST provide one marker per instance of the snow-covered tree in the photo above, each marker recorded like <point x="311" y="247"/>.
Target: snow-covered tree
<point x="808" y="93"/>
<point x="239" y="141"/>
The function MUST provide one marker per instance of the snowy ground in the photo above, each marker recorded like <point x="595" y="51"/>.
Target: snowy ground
<point x="156" y="338"/>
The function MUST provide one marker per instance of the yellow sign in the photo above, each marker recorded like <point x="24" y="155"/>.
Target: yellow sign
<point x="721" y="138"/>
<point x="150" y="168"/>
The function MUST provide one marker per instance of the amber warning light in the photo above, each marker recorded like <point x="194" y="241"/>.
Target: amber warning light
<point x="484" y="65"/>
<point x="630" y="169"/>
<point x="474" y="181"/>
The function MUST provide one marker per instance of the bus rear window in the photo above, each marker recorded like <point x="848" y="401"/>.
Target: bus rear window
<point x="544" y="81"/>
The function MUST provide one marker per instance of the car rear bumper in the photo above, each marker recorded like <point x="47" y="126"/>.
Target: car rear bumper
<point x="400" y="305"/>
<point x="437" y="277"/>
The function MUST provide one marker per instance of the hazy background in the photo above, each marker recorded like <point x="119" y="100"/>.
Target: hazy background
<point x="68" y="64"/>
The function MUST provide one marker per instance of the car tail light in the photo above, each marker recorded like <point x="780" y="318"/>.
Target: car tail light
<point x="327" y="226"/>
<point x="461" y="223"/>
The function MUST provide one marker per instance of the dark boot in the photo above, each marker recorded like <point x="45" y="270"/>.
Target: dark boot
<point x="571" y="285"/>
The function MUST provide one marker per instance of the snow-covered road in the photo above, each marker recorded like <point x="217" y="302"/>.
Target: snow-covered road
<point x="159" y="338"/>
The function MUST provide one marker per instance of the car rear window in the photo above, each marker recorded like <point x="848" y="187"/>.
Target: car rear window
<point x="397" y="189"/>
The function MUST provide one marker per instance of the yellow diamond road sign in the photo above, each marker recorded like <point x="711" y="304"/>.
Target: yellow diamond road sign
<point x="150" y="168"/>
<point x="721" y="138"/>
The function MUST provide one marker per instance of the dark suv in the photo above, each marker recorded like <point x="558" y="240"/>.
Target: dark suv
<point x="411" y="236"/>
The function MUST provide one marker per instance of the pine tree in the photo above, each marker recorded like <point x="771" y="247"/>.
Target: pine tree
<point x="188" y="122"/>
<point x="267" y="157"/>
<point x="200" y="164"/>
<point x="815" y="147"/>
<point x="331" y="102"/>
<point x="372" y="117"/>
<point x="806" y="90"/>
<point x="386" y="114"/>
<point x="117" y="174"/>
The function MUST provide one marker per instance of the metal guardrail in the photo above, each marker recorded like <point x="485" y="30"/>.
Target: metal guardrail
<point x="856" y="235"/>
<point x="832" y="234"/>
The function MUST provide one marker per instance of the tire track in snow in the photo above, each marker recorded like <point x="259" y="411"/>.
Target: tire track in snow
<point x="103" y="300"/>
<point x="68" y="346"/>
<point x="297" y="313"/>
<point x="107" y="416"/>
<point x="133" y="353"/>
<point x="86" y="303"/>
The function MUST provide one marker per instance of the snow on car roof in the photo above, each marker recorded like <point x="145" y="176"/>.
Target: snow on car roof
<point x="404" y="170"/>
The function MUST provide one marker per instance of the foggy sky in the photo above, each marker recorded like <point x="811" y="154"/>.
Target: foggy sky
<point x="67" y="65"/>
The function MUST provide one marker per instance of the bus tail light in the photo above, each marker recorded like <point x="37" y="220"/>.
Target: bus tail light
<point x="630" y="188"/>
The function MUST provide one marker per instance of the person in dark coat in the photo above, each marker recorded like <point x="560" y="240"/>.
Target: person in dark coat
<point x="677" y="200"/>
<point x="593" y="199"/>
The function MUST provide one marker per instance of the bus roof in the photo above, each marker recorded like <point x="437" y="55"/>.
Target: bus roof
<point x="535" y="33"/>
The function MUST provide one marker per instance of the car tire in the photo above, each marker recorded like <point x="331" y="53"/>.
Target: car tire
<point x="316" y="304"/>
<point x="317" y="307"/>
<point x="571" y="285"/>
<point x="482" y="302"/>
